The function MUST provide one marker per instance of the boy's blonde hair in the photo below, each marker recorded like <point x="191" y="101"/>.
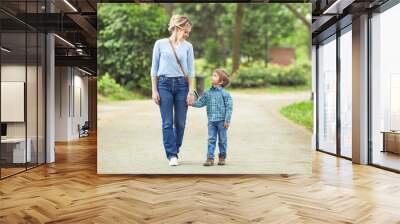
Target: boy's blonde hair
<point x="222" y="76"/>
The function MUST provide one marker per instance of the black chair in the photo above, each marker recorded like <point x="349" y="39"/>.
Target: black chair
<point x="84" y="130"/>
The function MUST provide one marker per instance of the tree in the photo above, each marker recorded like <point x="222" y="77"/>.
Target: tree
<point x="303" y="19"/>
<point x="125" y="41"/>
<point x="237" y="36"/>
<point x="207" y="23"/>
<point x="169" y="8"/>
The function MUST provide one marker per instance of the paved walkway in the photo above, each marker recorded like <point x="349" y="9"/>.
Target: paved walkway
<point x="260" y="140"/>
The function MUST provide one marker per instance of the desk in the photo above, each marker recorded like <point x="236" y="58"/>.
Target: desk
<point x="17" y="151"/>
<point x="391" y="141"/>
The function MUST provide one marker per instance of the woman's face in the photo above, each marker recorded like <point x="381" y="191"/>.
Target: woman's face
<point x="183" y="32"/>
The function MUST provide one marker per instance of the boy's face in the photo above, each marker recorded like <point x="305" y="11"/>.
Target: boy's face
<point x="215" y="79"/>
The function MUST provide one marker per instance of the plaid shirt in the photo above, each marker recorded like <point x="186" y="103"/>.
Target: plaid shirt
<point x="219" y="104"/>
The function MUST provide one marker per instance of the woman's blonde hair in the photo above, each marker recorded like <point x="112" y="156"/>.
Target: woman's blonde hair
<point x="178" y="21"/>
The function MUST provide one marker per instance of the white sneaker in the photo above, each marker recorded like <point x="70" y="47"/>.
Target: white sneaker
<point x="173" y="161"/>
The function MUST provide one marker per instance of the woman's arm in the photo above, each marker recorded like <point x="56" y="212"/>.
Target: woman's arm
<point x="155" y="62"/>
<point x="190" y="63"/>
<point x="190" y="96"/>
<point x="154" y="69"/>
<point x="155" y="95"/>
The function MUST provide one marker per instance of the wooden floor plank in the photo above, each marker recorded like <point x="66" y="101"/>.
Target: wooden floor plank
<point x="70" y="191"/>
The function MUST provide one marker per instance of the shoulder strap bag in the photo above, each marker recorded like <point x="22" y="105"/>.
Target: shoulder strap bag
<point x="181" y="67"/>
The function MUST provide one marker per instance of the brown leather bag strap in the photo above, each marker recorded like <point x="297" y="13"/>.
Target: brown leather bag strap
<point x="177" y="59"/>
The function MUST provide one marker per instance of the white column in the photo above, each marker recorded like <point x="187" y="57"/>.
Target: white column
<point x="314" y="93"/>
<point x="50" y="99"/>
<point x="360" y="90"/>
<point x="50" y="92"/>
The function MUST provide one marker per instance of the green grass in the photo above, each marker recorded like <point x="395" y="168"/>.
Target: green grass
<point x="122" y="95"/>
<point x="301" y="113"/>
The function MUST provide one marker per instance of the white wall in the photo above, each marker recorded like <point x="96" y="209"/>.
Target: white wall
<point x="71" y="93"/>
<point x="62" y="80"/>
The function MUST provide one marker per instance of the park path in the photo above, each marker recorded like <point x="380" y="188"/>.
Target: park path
<point x="260" y="140"/>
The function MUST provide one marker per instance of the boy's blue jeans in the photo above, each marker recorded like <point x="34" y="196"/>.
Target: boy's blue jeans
<point x="173" y="92"/>
<point x="216" y="128"/>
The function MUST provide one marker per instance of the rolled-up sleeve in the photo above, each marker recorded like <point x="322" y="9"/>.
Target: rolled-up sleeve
<point x="155" y="62"/>
<point x="190" y="61"/>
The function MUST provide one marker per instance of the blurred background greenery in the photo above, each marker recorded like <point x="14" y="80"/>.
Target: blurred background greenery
<point x="238" y="37"/>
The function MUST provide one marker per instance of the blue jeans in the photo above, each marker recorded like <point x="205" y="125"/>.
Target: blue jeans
<point x="173" y="92"/>
<point x="216" y="128"/>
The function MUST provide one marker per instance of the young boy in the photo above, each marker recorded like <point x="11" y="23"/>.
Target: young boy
<point x="219" y="112"/>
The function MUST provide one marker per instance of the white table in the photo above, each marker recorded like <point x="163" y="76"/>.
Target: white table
<point x="19" y="149"/>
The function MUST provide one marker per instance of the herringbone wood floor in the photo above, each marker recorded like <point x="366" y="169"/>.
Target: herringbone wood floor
<point x="70" y="191"/>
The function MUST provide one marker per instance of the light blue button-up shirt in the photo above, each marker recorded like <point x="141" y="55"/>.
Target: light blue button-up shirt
<point x="164" y="61"/>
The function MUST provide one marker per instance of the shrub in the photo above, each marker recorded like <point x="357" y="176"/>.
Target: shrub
<point x="125" y="41"/>
<point x="108" y="88"/>
<point x="106" y="85"/>
<point x="260" y="75"/>
<point x="250" y="76"/>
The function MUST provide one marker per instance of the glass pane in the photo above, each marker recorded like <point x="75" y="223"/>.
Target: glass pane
<point x="327" y="96"/>
<point x="346" y="93"/>
<point x="13" y="86"/>
<point x="386" y="89"/>
<point x="32" y="89"/>
<point x="31" y="98"/>
<point x="41" y="98"/>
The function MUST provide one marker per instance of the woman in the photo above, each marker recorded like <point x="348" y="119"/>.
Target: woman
<point x="172" y="90"/>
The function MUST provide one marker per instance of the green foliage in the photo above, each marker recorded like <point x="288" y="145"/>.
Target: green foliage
<point x="203" y="68"/>
<point x="274" y="89"/>
<point x="261" y="75"/>
<point x="301" y="113"/>
<point x="127" y="32"/>
<point x="109" y="90"/>
<point x="213" y="53"/>
<point x="126" y="37"/>
<point x="209" y="22"/>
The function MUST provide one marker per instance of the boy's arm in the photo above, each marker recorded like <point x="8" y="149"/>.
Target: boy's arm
<point x="229" y="107"/>
<point x="201" y="102"/>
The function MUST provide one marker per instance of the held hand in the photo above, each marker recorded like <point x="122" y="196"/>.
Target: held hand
<point x="226" y="125"/>
<point x="156" y="97"/>
<point x="190" y="99"/>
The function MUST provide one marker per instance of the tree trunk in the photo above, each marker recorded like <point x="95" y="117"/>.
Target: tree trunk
<point x="169" y="8"/>
<point x="267" y="50"/>
<point x="236" y="41"/>
<point x="223" y="47"/>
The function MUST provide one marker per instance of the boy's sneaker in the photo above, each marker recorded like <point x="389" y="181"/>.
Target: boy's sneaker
<point x="173" y="161"/>
<point x="221" y="161"/>
<point x="209" y="162"/>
